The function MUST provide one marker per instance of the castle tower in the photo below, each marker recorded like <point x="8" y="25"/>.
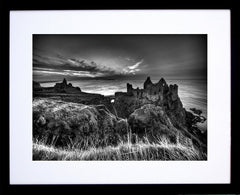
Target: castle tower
<point x="173" y="89"/>
<point x="129" y="88"/>
<point x="147" y="83"/>
<point x="162" y="82"/>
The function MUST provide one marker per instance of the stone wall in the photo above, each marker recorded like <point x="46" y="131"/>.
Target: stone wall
<point x="154" y="91"/>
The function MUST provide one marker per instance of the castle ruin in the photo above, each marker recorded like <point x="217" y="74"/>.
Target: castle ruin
<point x="154" y="91"/>
<point x="66" y="87"/>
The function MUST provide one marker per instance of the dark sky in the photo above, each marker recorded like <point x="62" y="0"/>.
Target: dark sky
<point x="119" y="56"/>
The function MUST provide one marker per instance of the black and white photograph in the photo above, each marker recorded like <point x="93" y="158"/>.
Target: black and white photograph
<point x="119" y="97"/>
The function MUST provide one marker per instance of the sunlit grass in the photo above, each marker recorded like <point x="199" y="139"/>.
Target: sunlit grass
<point x="142" y="150"/>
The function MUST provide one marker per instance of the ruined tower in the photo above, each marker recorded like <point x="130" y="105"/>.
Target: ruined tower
<point x="148" y="83"/>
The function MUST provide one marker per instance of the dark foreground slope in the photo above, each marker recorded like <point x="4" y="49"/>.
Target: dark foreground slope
<point x="72" y="131"/>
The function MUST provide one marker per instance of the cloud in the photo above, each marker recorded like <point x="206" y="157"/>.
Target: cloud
<point x="58" y="64"/>
<point x="53" y="63"/>
<point x="135" y="65"/>
<point x="133" y="68"/>
<point x="53" y="72"/>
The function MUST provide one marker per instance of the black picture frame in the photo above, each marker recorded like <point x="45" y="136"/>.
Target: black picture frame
<point x="232" y="188"/>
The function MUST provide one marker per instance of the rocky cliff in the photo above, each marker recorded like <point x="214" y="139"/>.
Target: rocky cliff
<point x="157" y="108"/>
<point x="63" y="123"/>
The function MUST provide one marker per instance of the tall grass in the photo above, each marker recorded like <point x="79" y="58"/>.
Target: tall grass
<point x="143" y="149"/>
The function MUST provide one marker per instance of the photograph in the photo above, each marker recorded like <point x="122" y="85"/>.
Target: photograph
<point x="119" y="97"/>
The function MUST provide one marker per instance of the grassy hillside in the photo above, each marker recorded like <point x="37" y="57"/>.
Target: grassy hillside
<point x="163" y="150"/>
<point x="72" y="131"/>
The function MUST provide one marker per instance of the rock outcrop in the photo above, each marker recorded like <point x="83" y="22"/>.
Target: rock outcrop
<point x="196" y="111"/>
<point x="152" y="120"/>
<point x="63" y="123"/>
<point x="36" y="86"/>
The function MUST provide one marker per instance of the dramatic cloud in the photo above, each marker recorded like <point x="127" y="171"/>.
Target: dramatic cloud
<point x="119" y="56"/>
<point x="69" y="67"/>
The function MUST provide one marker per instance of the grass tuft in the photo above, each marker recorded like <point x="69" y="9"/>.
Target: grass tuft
<point x="142" y="150"/>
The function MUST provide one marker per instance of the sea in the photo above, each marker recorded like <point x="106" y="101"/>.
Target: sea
<point x="193" y="93"/>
